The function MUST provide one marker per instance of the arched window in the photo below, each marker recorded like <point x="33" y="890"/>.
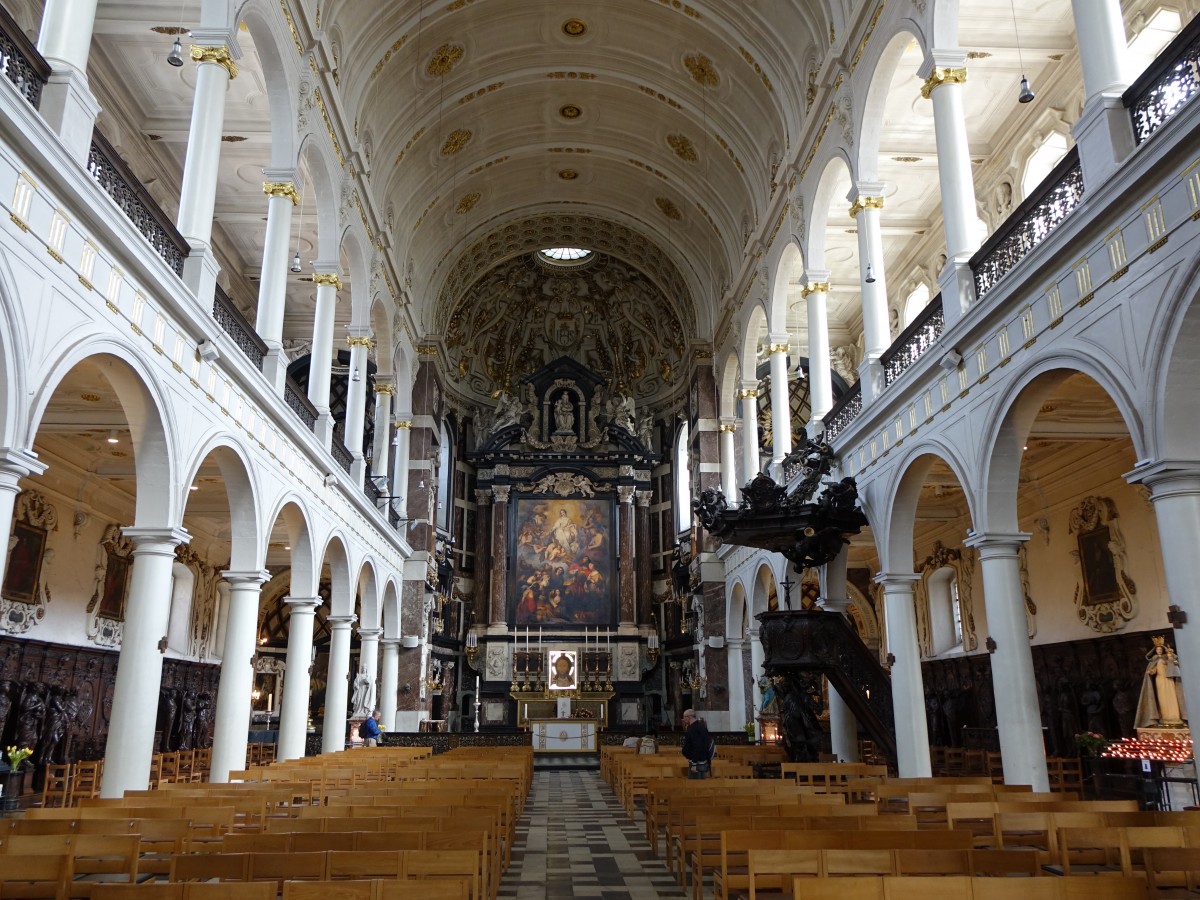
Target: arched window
<point x="945" y="612"/>
<point x="683" y="482"/>
<point x="916" y="302"/>
<point x="1047" y="155"/>
<point x="1159" y="31"/>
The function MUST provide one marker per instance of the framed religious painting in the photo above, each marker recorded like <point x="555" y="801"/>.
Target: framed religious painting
<point x="24" y="563"/>
<point x="116" y="584"/>
<point x="564" y="568"/>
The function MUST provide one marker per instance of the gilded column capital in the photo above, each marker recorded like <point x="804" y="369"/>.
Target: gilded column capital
<point x="747" y="395"/>
<point x="219" y="55"/>
<point x="282" y="189"/>
<point x="778" y="348"/>
<point x="815" y="287"/>
<point x="330" y="279"/>
<point x="404" y="424"/>
<point x="385" y="389"/>
<point x="728" y="429"/>
<point x="359" y="342"/>
<point x="864" y="202"/>
<point x="943" y="75"/>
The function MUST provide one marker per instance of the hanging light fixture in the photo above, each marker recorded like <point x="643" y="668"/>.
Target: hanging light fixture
<point x="1027" y="94"/>
<point x="175" y="57"/>
<point x="113" y="437"/>
<point x="295" y="266"/>
<point x="870" y="279"/>
<point x="356" y="376"/>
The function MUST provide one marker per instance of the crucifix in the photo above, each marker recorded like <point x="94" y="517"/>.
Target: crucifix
<point x="787" y="593"/>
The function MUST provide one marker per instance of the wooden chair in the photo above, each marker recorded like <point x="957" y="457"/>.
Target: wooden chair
<point x="85" y="779"/>
<point x="993" y="863"/>
<point x="932" y="862"/>
<point x="280" y="867"/>
<point x="36" y="876"/>
<point x="364" y="864"/>
<point x="1172" y="871"/>
<point x="261" y="891"/>
<point x="148" y="891"/>
<point x="209" y="866"/>
<point x="857" y="862"/>
<point x="847" y="889"/>
<point x="426" y="888"/>
<point x="333" y="890"/>
<point x="919" y="887"/>
<point x="776" y="870"/>
<point x="56" y="791"/>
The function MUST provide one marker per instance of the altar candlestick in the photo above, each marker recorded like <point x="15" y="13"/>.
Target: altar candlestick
<point x="477" y="687"/>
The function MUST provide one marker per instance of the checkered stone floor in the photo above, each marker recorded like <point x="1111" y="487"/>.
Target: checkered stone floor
<point x="575" y="840"/>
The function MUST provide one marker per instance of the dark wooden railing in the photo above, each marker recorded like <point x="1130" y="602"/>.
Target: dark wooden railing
<point x="1047" y="207"/>
<point x="337" y="447"/>
<point x="910" y="345"/>
<point x="300" y="404"/>
<point x="230" y="318"/>
<point x="844" y="411"/>
<point x="20" y="61"/>
<point x="1167" y="84"/>
<point x="114" y="175"/>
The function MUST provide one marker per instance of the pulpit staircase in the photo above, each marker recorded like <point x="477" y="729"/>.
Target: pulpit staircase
<point x="816" y="642"/>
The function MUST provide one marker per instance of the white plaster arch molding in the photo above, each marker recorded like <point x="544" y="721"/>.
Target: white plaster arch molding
<point x="391" y="610"/>
<point x="791" y="259"/>
<point x="342" y="590"/>
<point x="737" y="618"/>
<point x="1170" y="394"/>
<point x="324" y="179"/>
<point x="13" y="369"/>
<point x="370" y="595"/>
<point x="302" y="573"/>
<point x="727" y="384"/>
<point x="862" y="615"/>
<point x="247" y="544"/>
<point x="281" y="72"/>
<point x="152" y="425"/>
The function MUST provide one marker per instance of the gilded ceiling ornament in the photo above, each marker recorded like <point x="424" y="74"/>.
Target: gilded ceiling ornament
<point x="458" y="139"/>
<point x="219" y="55"/>
<point x="683" y="147"/>
<point x="570" y="111"/>
<point x="467" y="203"/>
<point x="942" y="75"/>
<point x="232" y="138"/>
<point x="443" y="60"/>
<point x="574" y="27"/>
<point x="568" y="174"/>
<point x="906" y="159"/>
<point x="701" y="68"/>
<point x="282" y="189"/>
<point x="668" y="209"/>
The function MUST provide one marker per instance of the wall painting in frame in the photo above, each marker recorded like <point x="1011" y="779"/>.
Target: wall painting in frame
<point x="564" y="567"/>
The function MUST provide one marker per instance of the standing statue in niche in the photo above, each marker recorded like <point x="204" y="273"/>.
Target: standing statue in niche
<point x="6" y="702"/>
<point x="564" y="414"/>
<point x="30" y="714"/>
<point x="1161" y="702"/>
<point x="187" y="719"/>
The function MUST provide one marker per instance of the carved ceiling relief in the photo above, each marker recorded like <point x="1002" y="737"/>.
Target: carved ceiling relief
<point x="608" y="316"/>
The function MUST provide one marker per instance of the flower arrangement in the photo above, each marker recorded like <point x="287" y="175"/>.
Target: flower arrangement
<point x="749" y="729"/>
<point x="1090" y="743"/>
<point x="17" y="755"/>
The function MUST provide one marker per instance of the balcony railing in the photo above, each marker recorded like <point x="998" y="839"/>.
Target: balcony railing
<point x="1167" y="84"/>
<point x="119" y="182"/>
<point x="230" y="318"/>
<point x="845" y="411"/>
<point x="910" y="345"/>
<point x="300" y="404"/>
<point x="341" y="455"/>
<point x="1043" y="211"/>
<point x="20" y="61"/>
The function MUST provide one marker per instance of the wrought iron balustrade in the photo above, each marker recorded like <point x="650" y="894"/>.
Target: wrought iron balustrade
<point x="341" y="455"/>
<point x="114" y="175"/>
<point x="374" y="494"/>
<point x="300" y="404"/>
<point x="230" y="318"/>
<point x="1046" y="208"/>
<point x="1167" y="84"/>
<point x="910" y="345"/>
<point x="20" y="61"/>
<point x="845" y="411"/>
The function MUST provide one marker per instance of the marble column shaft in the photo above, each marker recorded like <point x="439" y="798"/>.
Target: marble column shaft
<point x="781" y="409"/>
<point x="908" y="689"/>
<point x="293" y="707"/>
<point x="645" y="593"/>
<point x="198" y="193"/>
<point x="337" y="684"/>
<point x="625" y="552"/>
<point x="749" y="397"/>
<point x="499" y="554"/>
<point x="232" y="718"/>
<point x="389" y="682"/>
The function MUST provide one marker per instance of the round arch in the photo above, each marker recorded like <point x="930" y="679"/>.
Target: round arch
<point x="292" y="510"/>
<point x="900" y="514"/>
<point x="246" y="548"/>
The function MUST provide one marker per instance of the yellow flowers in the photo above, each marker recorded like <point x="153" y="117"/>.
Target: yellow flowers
<point x="17" y="755"/>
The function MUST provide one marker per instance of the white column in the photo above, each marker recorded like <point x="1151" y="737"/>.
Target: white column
<point x="14" y="465"/>
<point x="729" y="484"/>
<point x="232" y="721"/>
<point x="1100" y="30"/>
<point x="1018" y="714"/>
<point x="130" y="746"/>
<point x="1175" y="493"/>
<point x="67" y="105"/>
<point x="843" y="726"/>
<point x="356" y="397"/>
<point x="389" y="682"/>
<point x="328" y="284"/>
<point x="337" y="684"/>
<point x="820" y="382"/>
<point x="757" y="657"/>
<point x="908" y="689"/>
<point x="749" y="397"/>
<point x="272" y="287"/>
<point x="866" y="207"/>
<point x="737" y="683"/>
<point x="1104" y="131"/>
<point x="215" y="68"/>
<point x="368" y="660"/>
<point x="293" y="708"/>
<point x="946" y="73"/>
<point x="400" y="466"/>
<point x="381" y="444"/>
<point x="781" y="410"/>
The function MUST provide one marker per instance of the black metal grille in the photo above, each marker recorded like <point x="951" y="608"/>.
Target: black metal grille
<point x="922" y="333"/>
<point x="1167" y="84"/>
<point x="300" y="404"/>
<point x="230" y="318"/>
<point x="20" y="61"/>
<point x="844" y="412"/>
